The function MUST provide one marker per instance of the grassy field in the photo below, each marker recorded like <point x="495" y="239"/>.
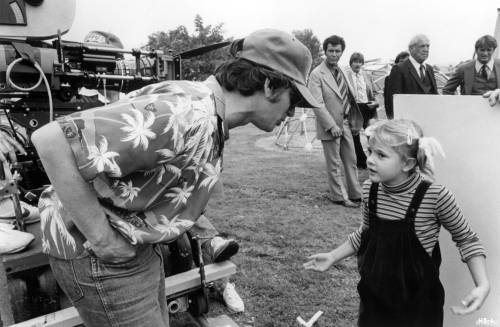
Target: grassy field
<point x="274" y="205"/>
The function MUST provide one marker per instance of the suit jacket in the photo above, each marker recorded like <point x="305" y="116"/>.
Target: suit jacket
<point x="368" y="81"/>
<point x="404" y="79"/>
<point x="464" y="77"/>
<point x="324" y="88"/>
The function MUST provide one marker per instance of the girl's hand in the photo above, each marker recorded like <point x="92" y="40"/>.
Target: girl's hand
<point x="473" y="301"/>
<point x="320" y="261"/>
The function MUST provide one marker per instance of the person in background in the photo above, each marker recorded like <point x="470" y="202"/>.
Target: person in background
<point x="131" y="175"/>
<point x="403" y="55"/>
<point x="337" y="119"/>
<point x="412" y="76"/>
<point x="397" y="243"/>
<point x="363" y="87"/>
<point x="478" y="76"/>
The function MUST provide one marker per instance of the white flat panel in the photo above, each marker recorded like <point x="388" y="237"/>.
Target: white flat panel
<point x="469" y="130"/>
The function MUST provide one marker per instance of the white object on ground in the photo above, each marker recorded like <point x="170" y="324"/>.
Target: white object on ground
<point x="311" y="321"/>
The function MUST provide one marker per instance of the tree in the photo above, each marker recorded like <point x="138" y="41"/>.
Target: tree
<point x="179" y="40"/>
<point x="307" y="37"/>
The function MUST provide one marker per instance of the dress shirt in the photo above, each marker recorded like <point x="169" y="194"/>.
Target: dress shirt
<point x="489" y="66"/>
<point x="359" y="86"/>
<point x="417" y="66"/>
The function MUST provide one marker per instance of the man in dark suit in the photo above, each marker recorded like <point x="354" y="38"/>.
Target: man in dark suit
<point x="478" y="76"/>
<point x="412" y="76"/>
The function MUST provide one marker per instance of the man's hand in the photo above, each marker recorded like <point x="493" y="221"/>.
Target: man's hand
<point x="114" y="248"/>
<point x="8" y="148"/>
<point x="336" y="131"/>
<point x="493" y="97"/>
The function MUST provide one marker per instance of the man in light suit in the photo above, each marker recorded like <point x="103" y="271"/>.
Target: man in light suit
<point x="363" y="87"/>
<point x="412" y="76"/>
<point x="478" y="76"/>
<point x="337" y="119"/>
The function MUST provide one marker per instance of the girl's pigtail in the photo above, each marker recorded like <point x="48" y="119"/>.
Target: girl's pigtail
<point x="428" y="147"/>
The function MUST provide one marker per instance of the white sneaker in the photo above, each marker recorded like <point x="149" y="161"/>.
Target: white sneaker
<point x="12" y="241"/>
<point x="232" y="299"/>
<point x="30" y="213"/>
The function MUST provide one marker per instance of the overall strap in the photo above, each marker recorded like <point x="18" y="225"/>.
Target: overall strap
<point x="372" y="200"/>
<point x="416" y="201"/>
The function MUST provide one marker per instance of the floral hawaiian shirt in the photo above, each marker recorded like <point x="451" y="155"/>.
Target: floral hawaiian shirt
<point x="146" y="157"/>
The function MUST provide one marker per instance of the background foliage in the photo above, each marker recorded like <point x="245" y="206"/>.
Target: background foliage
<point x="199" y="68"/>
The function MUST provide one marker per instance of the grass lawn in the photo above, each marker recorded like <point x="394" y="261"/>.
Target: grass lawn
<point x="274" y="206"/>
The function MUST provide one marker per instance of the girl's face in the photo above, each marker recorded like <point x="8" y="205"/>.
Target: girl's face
<point x="386" y="165"/>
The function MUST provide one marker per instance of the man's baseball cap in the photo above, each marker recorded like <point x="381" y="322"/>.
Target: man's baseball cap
<point x="284" y="53"/>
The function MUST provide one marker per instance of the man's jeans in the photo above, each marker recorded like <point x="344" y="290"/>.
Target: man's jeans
<point x="126" y="294"/>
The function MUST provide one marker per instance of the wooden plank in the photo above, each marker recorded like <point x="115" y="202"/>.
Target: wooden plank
<point x="173" y="284"/>
<point x="6" y="314"/>
<point x="29" y="258"/>
<point x="62" y="318"/>
<point x="190" y="279"/>
<point x="219" y="321"/>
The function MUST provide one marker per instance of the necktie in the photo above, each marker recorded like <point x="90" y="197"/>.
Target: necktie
<point x="483" y="72"/>
<point x="359" y="85"/>
<point x="339" y="78"/>
<point x="422" y="72"/>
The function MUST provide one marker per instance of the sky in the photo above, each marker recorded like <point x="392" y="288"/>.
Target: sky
<point x="378" y="29"/>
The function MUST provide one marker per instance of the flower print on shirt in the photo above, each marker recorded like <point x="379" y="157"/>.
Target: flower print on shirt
<point x="101" y="158"/>
<point x="138" y="128"/>
<point x="149" y="154"/>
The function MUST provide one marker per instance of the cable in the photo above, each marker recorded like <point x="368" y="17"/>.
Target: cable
<point x="42" y="77"/>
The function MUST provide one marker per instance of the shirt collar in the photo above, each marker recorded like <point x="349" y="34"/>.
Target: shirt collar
<point x="220" y="102"/>
<point x="406" y="186"/>
<point x="416" y="64"/>
<point x="489" y="64"/>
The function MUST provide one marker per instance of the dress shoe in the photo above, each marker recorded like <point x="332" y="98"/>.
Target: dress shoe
<point x="220" y="249"/>
<point x="346" y="203"/>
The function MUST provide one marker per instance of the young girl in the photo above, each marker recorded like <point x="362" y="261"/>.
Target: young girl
<point x="397" y="243"/>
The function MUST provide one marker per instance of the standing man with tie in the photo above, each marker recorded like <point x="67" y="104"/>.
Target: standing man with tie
<point x="363" y="86"/>
<point x="478" y="76"/>
<point x="337" y="119"/>
<point x="412" y="76"/>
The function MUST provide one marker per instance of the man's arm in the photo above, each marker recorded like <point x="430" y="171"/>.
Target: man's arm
<point x="324" y="117"/>
<point x="455" y="80"/>
<point x="77" y="195"/>
<point x="394" y="86"/>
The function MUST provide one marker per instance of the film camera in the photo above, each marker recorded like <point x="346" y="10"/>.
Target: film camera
<point x="41" y="74"/>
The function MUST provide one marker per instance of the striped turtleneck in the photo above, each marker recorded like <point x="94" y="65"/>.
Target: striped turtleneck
<point x="438" y="208"/>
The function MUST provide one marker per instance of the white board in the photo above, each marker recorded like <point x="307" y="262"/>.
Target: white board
<point x="469" y="130"/>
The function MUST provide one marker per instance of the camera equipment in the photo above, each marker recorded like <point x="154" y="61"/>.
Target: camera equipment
<point x="42" y="76"/>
